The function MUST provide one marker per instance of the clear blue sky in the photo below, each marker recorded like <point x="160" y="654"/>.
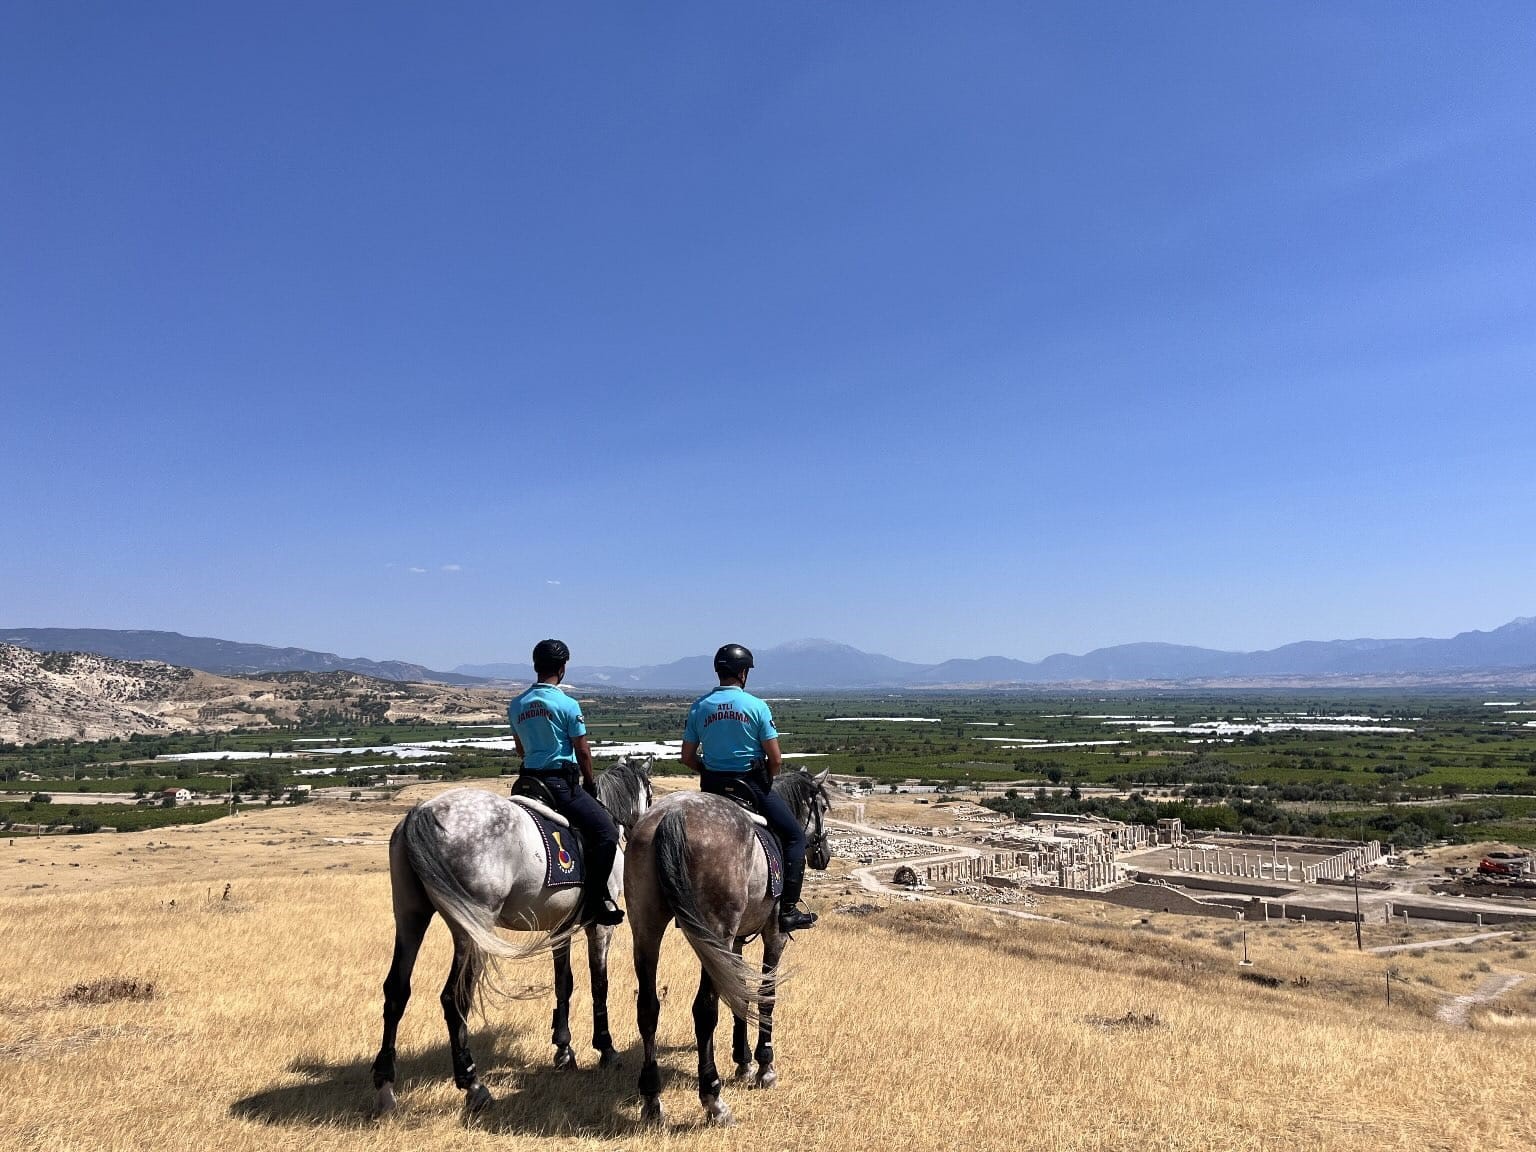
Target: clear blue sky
<point x="940" y="330"/>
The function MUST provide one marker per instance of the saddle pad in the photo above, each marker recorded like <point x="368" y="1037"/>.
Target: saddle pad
<point x="771" y="849"/>
<point x="541" y="808"/>
<point x="562" y="849"/>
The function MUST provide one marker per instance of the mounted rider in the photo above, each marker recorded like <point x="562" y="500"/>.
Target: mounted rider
<point x="731" y="742"/>
<point x="551" y="738"/>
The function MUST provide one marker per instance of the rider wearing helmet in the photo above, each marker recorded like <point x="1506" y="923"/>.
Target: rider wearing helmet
<point x="731" y="742"/>
<point x="552" y="740"/>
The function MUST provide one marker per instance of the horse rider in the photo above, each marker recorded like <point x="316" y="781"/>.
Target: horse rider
<point x="551" y="738"/>
<point x="731" y="742"/>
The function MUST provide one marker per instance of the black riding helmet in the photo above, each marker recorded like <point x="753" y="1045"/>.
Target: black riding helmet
<point x="549" y="656"/>
<point x="732" y="660"/>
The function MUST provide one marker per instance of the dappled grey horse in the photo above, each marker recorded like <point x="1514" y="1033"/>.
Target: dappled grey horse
<point x="478" y="860"/>
<point x="695" y="858"/>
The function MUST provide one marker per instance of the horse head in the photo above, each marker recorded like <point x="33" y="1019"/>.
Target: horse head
<point x="809" y="799"/>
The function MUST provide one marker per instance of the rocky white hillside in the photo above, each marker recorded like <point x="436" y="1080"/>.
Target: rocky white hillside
<point x="79" y="696"/>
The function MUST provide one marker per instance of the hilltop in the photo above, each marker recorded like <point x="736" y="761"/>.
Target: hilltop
<point x="138" y="976"/>
<point x="83" y="696"/>
<point x="221" y="657"/>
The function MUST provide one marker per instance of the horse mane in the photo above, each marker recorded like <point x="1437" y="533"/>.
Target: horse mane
<point x="797" y="788"/>
<point x="624" y="781"/>
<point x="628" y="773"/>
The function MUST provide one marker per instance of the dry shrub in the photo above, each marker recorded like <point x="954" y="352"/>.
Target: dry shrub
<point x="1132" y="1021"/>
<point x="109" y="990"/>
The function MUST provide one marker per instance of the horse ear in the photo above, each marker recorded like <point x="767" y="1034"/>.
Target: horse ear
<point x="825" y="772"/>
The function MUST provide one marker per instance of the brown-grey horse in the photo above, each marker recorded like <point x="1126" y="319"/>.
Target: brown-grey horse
<point x="695" y="858"/>
<point x="477" y="859"/>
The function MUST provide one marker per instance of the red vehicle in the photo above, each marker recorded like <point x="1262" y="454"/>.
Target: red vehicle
<point x="1507" y="864"/>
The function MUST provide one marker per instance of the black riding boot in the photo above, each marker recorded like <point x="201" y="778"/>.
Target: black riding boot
<point x="595" y="905"/>
<point x="791" y="917"/>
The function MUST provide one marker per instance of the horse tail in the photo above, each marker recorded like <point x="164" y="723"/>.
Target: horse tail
<point x="738" y="983"/>
<point x="467" y="918"/>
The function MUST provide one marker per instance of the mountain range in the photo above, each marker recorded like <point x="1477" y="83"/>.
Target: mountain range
<point x="824" y="665"/>
<point x="829" y="666"/>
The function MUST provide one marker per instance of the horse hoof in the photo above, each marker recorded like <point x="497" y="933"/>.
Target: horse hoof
<point x="565" y="1059"/>
<point x="650" y="1112"/>
<point x="478" y="1099"/>
<point x="386" y="1102"/>
<point x="743" y="1071"/>
<point x="766" y="1078"/>
<point x="717" y="1115"/>
<point x="609" y="1058"/>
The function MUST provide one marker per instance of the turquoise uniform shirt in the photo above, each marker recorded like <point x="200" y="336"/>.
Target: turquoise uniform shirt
<point x="729" y="726"/>
<point x="546" y="720"/>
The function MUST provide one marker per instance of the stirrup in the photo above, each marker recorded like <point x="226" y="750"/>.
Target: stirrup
<point x="791" y="919"/>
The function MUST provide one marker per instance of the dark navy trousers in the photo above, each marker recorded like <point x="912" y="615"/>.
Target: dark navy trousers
<point x="587" y="816"/>
<point x="780" y="817"/>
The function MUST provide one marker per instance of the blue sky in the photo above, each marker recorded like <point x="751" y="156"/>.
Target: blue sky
<point x="939" y="330"/>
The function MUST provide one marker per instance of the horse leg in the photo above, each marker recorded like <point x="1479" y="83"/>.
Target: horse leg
<point x="560" y="1027"/>
<point x="706" y="1013"/>
<point x="458" y="995"/>
<point x="409" y="931"/>
<point x="647" y="1014"/>
<point x="740" y="1052"/>
<point x="773" y="949"/>
<point x="598" y="939"/>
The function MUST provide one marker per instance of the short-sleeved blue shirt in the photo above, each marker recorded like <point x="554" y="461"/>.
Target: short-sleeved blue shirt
<point x="729" y="726"/>
<point x="546" y="720"/>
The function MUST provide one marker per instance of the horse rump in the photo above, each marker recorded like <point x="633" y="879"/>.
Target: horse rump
<point x="739" y="984"/>
<point x="470" y="921"/>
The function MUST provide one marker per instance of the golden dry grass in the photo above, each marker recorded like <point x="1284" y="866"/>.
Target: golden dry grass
<point x="908" y="1027"/>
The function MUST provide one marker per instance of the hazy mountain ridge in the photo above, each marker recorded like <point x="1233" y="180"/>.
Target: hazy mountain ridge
<point x="221" y="657"/>
<point x="825" y="665"/>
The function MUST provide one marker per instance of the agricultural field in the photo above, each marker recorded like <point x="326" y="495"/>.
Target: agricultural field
<point x="1408" y="769"/>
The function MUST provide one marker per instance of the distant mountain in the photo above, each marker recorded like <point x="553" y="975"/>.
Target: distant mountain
<point x="221" y="657"/>
<point x="823" y="665"/>
<point x="827" y="666"/>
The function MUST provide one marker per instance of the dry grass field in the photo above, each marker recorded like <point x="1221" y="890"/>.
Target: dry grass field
<point x="140" y="1009"/>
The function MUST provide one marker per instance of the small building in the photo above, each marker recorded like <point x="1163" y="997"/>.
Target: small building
<point x="176" y="796"/>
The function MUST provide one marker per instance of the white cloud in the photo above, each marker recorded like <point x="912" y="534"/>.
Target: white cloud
<point x="418" y="571"/>
<point x="554" y="583"/>
<point x="453" y="567"/>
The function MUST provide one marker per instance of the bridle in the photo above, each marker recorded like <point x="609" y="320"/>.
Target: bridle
<point x="819" y="846"/>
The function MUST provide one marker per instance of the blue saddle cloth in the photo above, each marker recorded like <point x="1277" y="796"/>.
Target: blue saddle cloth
<point x="775" y="855"/>
<point x="562" y="853"/>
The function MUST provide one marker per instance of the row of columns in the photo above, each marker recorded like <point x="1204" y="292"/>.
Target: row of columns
<point x="975" y="867"/>
<point x="1339" y="867"/>
<point x="1215" y="861"/>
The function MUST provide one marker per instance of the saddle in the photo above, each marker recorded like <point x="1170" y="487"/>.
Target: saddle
<point x="742" y="797"/>
<point x="563" y="865"/>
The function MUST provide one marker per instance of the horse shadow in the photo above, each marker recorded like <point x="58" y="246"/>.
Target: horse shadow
<point x="532" y="1100"/>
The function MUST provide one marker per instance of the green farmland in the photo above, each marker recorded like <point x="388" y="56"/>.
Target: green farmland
<point x="1419" y="766"/>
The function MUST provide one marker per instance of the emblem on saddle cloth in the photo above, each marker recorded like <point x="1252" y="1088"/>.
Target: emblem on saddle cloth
<point x="562" y="852"/>
<point x="775" y="855"/>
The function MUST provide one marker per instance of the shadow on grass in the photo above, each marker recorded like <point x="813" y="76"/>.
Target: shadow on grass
<point x="530" y="1100"/>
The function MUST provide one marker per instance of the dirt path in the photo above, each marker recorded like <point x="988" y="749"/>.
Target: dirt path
<point x="1448" y="942"/>
<point x="1455" y="1010"/>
